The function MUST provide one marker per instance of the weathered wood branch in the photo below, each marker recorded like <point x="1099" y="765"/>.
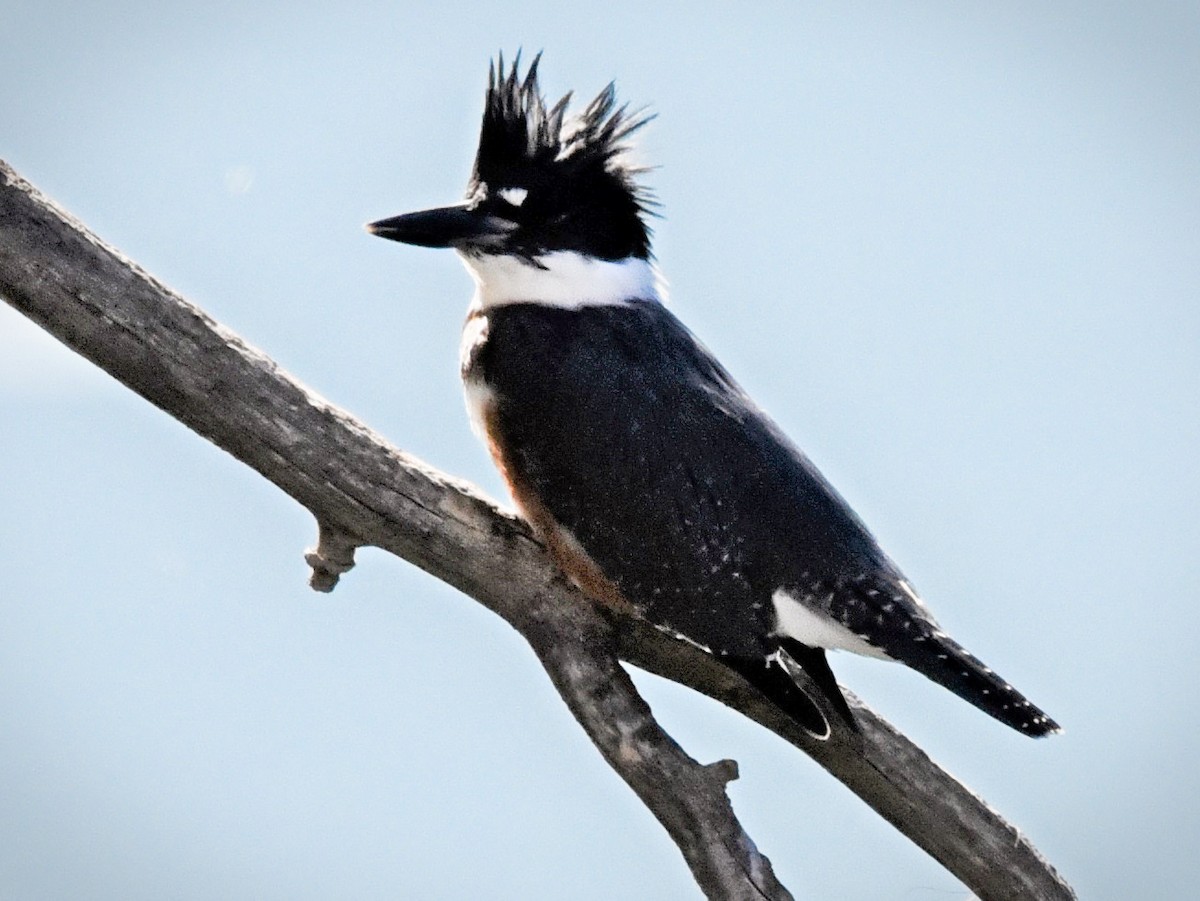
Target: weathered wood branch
<point x="363" y="491"/>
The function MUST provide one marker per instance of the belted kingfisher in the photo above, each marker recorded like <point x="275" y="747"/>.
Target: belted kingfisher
<point x="658" y="486"/>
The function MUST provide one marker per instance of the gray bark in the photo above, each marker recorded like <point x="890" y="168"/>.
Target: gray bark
<point x="363" y="491"/>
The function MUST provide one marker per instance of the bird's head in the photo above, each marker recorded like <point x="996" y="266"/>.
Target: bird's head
<point x="544" y="182"/>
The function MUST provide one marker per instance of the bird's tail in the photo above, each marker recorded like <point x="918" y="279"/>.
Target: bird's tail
<point x="939" y="657"/>
<point x="936" y="656"/>
<point x="887" y="614"/>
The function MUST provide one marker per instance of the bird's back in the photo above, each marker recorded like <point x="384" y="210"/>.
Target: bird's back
<point x="682" y="490"/>
<point x="643" y="453"/>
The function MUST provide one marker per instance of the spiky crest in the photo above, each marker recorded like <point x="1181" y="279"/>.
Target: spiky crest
<point x="567" y="163"/>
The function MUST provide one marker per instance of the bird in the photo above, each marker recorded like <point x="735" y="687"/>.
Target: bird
<point x="658" y="486"/>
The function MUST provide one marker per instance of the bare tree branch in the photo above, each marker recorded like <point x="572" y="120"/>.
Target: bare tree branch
<point x="363" y="491"/>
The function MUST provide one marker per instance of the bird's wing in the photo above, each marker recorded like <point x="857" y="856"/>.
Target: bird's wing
<point x="643" y="454"/>
<point x="681" y="490"/>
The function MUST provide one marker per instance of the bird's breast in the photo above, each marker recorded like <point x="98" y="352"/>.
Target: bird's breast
<point x="483" y="407"/>
<point x="479" y="395"/>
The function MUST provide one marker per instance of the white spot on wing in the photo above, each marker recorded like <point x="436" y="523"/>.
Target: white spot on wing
<point x="563" y="279"/>
<point x="797" y="620"/>
<point x="913" y="596"/>
<point x="679" y="636"/>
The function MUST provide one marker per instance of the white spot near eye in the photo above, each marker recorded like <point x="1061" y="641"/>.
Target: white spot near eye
<point x="515" y="196"/>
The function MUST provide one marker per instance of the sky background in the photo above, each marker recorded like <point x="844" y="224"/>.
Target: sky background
<point x="954" y="250"/>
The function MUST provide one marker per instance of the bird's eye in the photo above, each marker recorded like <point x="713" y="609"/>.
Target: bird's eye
<point x="513" y="196"/>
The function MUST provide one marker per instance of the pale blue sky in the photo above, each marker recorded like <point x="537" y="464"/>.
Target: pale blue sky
<point x="954" y="250"/>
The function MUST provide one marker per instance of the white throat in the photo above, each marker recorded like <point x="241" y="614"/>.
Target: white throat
<point x="564" y="279"/>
